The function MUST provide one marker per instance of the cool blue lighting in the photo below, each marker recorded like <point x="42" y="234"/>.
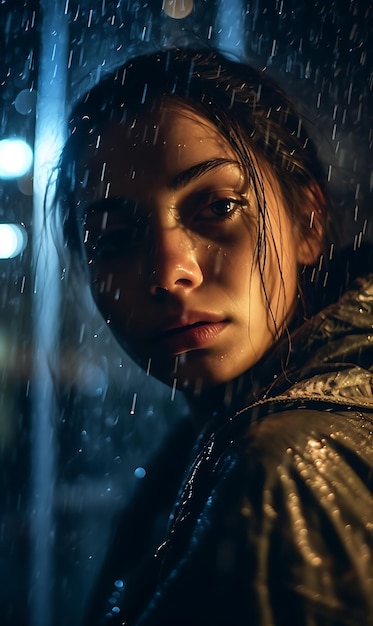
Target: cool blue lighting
<point x="140" y="472"/>
<point x="15" y="158"/>
<point x="13" y="240"/>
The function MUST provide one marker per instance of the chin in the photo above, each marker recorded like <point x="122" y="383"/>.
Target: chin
<point x="190" y="371"/>
<point x="195" y="375"/>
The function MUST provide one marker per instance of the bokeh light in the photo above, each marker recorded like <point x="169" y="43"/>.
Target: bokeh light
<point x="15" y="158"/>
<point x="13" y="240"/>
<point x="178" y="9"/>
<point x="25" y="102"/>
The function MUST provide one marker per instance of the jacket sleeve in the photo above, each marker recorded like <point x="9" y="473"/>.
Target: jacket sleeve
<point x="284" y="537"/>
<point x="309" y="517"/>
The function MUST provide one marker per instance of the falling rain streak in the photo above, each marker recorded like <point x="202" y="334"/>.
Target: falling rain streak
<point x="68" y="472"/>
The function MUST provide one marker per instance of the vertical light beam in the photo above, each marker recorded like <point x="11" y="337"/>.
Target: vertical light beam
<point x="49" y="136"/>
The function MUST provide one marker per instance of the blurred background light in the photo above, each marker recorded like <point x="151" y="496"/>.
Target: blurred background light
<point x="178" y="9"/>
<point x="15" y="158"/>
<point x="26" y="184"/>
<point x="13" y="240"/>
<point x="25" y="102"/>
<point x="92" y="380"/>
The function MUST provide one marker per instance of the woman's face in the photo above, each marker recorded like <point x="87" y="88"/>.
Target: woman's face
<point x="172" y="240"/>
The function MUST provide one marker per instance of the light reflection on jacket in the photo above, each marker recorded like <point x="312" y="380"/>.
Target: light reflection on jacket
<point x="274" y="522"/>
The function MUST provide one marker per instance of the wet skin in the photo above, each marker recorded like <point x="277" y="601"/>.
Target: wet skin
<point x="171" y="237"/>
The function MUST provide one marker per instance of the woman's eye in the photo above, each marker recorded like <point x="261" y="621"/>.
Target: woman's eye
<point x="220" y="209"/>
<point x="113" y="244"/>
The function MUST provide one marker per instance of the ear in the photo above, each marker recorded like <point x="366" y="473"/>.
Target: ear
<point x="311" y="234"/>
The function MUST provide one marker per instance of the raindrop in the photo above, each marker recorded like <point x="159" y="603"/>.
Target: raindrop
<point x="148" y="367"/>
<point x="133" y="407"/>
<point x="144" y="93"/>
<point x="173" y="391"/>
<point x="104" y="219"/>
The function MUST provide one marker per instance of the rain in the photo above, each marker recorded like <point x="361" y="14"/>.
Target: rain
<point x="78" y="419"/>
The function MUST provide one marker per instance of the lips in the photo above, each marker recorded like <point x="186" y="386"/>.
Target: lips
<point x="181" y="337"/>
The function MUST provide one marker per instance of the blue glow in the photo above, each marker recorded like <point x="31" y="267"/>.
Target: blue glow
<point x="119" y="584"/>
<point x="140" y="472"/>
<point x="13" y="240"/>
<point x="230" y="26"/>
<point x="15" y="158"/>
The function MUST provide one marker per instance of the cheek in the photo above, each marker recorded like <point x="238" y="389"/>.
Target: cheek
<point x="116" y="293"/>
<point x="231" y="258"/>
<point x="280" y="271"/>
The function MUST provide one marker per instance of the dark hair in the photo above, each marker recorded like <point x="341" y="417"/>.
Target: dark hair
<point x="249" y="109"/>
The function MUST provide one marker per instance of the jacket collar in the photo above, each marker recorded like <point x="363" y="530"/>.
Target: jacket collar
<point x="329" y="358"/>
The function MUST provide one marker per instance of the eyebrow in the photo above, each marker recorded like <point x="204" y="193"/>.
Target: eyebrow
<point x="180" y="180"/>
<point x="195" y="171"/>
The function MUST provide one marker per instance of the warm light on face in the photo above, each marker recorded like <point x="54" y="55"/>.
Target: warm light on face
<point x="15" y="158"/>
<point x="182" y="289"/>
<point x="13" y="240"/>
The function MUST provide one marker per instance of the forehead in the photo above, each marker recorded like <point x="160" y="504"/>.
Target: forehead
<point x="155" y="145"/>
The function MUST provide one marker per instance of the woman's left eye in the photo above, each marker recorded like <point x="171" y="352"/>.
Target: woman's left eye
<point x="221" y="209"/>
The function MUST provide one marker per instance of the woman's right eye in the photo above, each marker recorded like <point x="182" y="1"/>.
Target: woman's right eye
<point x="114" y="226"/>
<point x="113" y="244"/>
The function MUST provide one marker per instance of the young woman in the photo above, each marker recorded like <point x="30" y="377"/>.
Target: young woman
<point x="193" y="198"/>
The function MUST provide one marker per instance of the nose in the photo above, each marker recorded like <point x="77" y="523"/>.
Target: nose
<point x="174" y="262"/>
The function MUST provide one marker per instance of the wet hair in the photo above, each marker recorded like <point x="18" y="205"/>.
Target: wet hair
<point x="256" y="117"/>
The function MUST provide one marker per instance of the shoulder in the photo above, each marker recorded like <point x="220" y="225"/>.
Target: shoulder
<point x="323" y="454"/>
<point x="318" y="436"/>
<point x="291" y="506"/>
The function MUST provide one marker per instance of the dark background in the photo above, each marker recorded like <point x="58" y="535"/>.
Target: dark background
<point x="109" y="415"/>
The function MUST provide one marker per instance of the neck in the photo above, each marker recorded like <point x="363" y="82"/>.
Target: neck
<point x="219" y="402"/>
